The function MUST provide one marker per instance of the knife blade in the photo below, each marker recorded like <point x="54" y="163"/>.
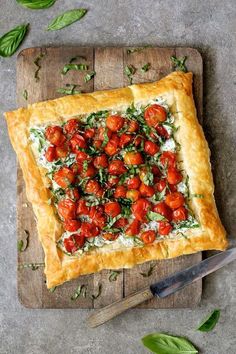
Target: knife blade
<point x="164" y="287"/>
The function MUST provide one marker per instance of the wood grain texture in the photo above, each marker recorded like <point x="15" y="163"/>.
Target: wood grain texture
<point x="109" y="64"/>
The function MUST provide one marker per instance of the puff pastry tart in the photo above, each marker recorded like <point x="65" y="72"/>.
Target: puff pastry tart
<point x="118" y="177"/>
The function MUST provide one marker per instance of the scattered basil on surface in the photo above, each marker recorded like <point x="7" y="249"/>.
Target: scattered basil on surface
<point x="145" y="67"/>
<point x="113" y="275"/>
<point x="81" y="290"/>
<point x="210" y="322"/>
<point x="66" y="19"/>
<point x="149" y="272"/>
<point x="129" y="72"/>
<point x="179" y="63"/>
<point x="23" y="243"/>
<point x="77" y="67"/>
<point x="51" y="290"/>
<point x="68" y="90"/>
<point x="89" y="76"/>
<point x="36" y="4"/>
<point x="25" y="95"/>
<point x="94" y="297"/>
<point x="33" y="266"/>
<point x="37" y="62"/>
<point x="11" y="40"/>
<point x="162" y="343"/>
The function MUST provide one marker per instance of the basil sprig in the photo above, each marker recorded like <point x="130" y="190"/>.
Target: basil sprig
<point x="11" y="40"/>
<point x="210" y="322"/>
<point x="161" y="343"/>
<point x="36" y="4"/>
<point x="66" y="19"/>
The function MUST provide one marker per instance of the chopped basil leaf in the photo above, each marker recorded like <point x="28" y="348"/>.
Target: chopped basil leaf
<point x="195" y="195"/>
<point x="129" y="72"/>
<point x="85" y="165"/>
<point x="149" y="272"/>
<point x="106" y="138"/>
<point x="81" y="290"/>
<point x="179" y="63"/>
<point x="209" y="323"/>
<point x="89" y="77"/>
<point x="113" y="275"/>
<point x="52" y="289"/>
<point x="77" y="67"/>
<point x="148" y="178"/>
<point x="102" y="176"/>
<point x="71" y="90"/>
<point x="33" y="266"/>
<point x="152" y="216"/>
<point x="23" y="244"/>
<point x="37" y="62"/>
<point x="25" y="95"/>
<point x="145" y="67"/>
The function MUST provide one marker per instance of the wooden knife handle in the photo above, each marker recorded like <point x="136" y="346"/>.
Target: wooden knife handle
<point x="106" y="313"/>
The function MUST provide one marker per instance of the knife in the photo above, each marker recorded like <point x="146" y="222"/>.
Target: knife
<point x="164" y="287"/>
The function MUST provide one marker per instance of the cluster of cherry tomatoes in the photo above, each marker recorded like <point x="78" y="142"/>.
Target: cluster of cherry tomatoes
<point x="84" y="221"/>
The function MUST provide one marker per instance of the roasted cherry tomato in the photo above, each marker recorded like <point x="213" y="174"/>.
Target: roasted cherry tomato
<point x="81" y="156"/>
<point x="71" y="126"/>
<point x="134" y="228"/>
<point x="133" y="158"/>
<point x="111" y="148"/>
<point x="62" y="151"/>
<point x="115" y="122"/>
<point x="133" y="194"/>
<point x="133" y="126"/>
<point x="67" y="209"/>
<point x="113" y="181"/>
<point x="174" y="200"/>
<point x="164" y="210"/>
<point x="101" y="161"/>
<point x="180" y="214"/>
<point x="162" y="131"/>
<point x="138" y="140"/>
<point x="92" y="187"/>
<point x="97" y="144"/>
<point x="154" y="115"/>
<point x="109" y="236"/>
<point x="76" y="168"/>
<point x="151" y="148"/>
<point x="74" y="242"/>
<point x="115" y="138"/>
<point x="140" y="209"/>
<point x="173" y="176"/>
<point x="164" y="228"/>
<point x="97" y="216"/>
<point x="148" y="236"/>
<point x="51" y="154"/>
<point x="161" y="185"/>
<point x="77" y="143"/>
<point x="71" y="225"/>
<point x="116" y="167"/>
<point x="133" y="182"/>
<point x="90" y="171"/>
<point x="155" y="170"/>
<point x="72" y="193"/>
<point x="89" y="229"/>
<point x="146" y="191"/>
<point x="55" y="135"/>
<point x="168" y="158"/>
<point x="89" y="133"/>
<point x="125" y="139"/>
<point x="82" y="208"/>
<point x="122" y="222"/>
<point x="112" y="209"/>
<point x="64" y="177"/>
<point x="120" y="192"/>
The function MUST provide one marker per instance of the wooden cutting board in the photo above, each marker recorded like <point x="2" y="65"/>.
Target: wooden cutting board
<point x="109" y="64"/>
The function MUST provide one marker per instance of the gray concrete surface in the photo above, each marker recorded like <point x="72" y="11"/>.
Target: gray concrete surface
<point x="209" y="26"/>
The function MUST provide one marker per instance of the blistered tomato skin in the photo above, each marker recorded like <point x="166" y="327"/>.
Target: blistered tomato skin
<point x="151" y="148"/>
<point x="134" y="228"/>
<point x="154" y="115"/>
<point x="64" y="177"/>
<point x="115" y="122"/>
<point x="140" y="209"/>
<point x="112" y="209"/>
<point x="164" y="228"/>
<point x="174" y="200"/>
<point x="67" y="209"/>
<point x="55" y="135"/>
<point x="148" y="236"/>
<point x="133" y="158"/>
<point x="51" y="154"/>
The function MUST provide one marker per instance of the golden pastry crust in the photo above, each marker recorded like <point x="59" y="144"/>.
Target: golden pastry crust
<point x="176" y="89"/>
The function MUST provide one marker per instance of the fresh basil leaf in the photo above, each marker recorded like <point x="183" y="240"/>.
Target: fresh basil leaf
<point x="20" y="245"/>
<point x="37" y="62"/>
<point x="179" y="63"/>
<point x="71" y="90"/>
<point x="77" y="67"/>
<point x="152" y="216"/>
<point x="210" y="322"/>
<point x="145" y="67"/>
<point x="25" y="95"/>
<point x="66" y="19"/>
<point x="148" y="178"/>
<point x="23" y="244"/>
<point x="93" y="297"/>
<point x="52" y="289"/>
<point x="129" y="72"/>
<point x="36" y="4"/>
<point x="149" y="272"/>
<point x="113" y="275"/>
<point x="106" y="138"/>
<point x="196" y="195"/>
<point x="102" y="176"/>
<point x="161" y="343"/>
<point x="85" y="165"/>
<point x="81" y="290"/>
<point x="11" y="40"/>
<point x="89" y="77"/>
